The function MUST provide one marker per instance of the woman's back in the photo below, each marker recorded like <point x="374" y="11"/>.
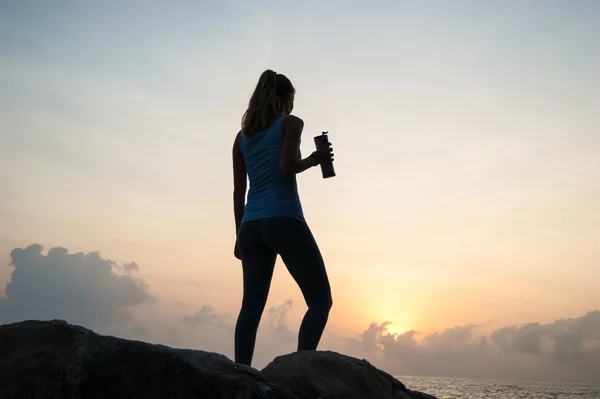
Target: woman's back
<point x="272" y="193"/>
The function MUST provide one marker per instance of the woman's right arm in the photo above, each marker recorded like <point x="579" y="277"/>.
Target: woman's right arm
<point x="290" y="161"/>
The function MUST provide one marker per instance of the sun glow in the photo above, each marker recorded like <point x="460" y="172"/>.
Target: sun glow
<point x="396" y="329"/>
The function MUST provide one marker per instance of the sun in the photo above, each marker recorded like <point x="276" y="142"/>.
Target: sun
<point x="396" y="329"/>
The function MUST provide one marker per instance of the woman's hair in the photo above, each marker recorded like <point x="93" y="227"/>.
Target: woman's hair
<point x="270" y="98"/>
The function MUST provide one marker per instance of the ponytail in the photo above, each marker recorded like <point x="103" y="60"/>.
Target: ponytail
<point x="267" y="102"/>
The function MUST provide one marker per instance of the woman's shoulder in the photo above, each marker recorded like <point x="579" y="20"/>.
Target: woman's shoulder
<point x="292" y="121"/>
<point x="240" y="139"/>
<point x="238" y="136"/>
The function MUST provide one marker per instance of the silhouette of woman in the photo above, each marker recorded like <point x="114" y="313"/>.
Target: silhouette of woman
<point x="267" y="150"/>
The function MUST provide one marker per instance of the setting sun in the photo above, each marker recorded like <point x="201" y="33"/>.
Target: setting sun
<point x="396" y="329"/>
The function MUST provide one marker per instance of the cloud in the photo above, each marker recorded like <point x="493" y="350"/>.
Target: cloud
<point x="208" y="316"/>
<point x="80" y="288"/>
<point x="209" y="329"/>
<point x="567" y="349"/>
<point x="131" y="267"/>
<point x="277" y="319"/>
<point x="374" y="337"/>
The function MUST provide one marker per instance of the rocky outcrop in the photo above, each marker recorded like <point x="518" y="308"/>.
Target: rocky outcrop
<point x="57" y="360"/>
<point x="330" y="375"/>
<point x="54" y="359"/>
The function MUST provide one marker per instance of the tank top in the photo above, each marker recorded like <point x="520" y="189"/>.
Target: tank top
<point x="272" y="193"/>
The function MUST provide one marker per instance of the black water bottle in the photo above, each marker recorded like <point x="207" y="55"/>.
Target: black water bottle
<point x="322" y="144"/>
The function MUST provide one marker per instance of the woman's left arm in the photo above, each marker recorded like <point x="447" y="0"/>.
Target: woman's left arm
<point x="239" y="183"/>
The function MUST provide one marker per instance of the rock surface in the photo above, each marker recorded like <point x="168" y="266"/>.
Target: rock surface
<point x="54" y="359"/>
<point x="330" y="375"/>
<point x="57" y="360"/>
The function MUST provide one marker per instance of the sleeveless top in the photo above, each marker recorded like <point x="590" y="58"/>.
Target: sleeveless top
<point x="272" y="193"/>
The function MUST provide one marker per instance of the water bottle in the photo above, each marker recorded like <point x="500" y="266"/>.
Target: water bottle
<point x="322" y="143"/>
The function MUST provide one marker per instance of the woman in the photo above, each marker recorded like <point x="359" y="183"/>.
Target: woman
<point x="267" y="150"/>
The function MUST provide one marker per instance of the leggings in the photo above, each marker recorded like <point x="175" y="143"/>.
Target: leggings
<point x="259" y="243"/>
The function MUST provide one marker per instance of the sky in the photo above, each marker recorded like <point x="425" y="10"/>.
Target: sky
<point x="460" y="233"/>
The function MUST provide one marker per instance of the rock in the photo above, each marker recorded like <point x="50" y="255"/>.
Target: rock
<point x="56" y="360"/>
<point x="53" y="359"/>
<point x="330" y="375"/>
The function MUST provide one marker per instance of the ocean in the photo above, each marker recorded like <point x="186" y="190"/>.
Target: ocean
<point x="461" y="388"/>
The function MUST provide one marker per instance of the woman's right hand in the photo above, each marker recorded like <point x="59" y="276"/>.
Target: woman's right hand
<point x="323" y="155"/>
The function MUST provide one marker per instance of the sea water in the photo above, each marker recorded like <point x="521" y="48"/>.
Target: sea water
<point x="460" y="388"/>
